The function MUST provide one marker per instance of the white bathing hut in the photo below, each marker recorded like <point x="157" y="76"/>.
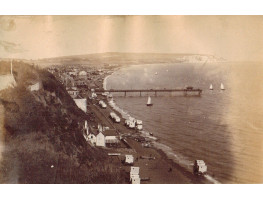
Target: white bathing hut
<point x="134" y="175"/>
<point x="136" y="180"/>
<point x="129" y="159"/>
<point x="199" y="167"/>
<point x="139" y="124"/>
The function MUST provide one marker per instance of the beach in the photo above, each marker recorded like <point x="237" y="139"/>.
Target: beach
<point x="153" y="163"/>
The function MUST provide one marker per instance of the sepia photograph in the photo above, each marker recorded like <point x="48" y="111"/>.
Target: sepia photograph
<point x="131" y="99"/>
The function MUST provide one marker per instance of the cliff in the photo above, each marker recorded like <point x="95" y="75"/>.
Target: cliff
<point x="41" y="135"/>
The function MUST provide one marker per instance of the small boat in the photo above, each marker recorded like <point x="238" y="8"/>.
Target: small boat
<point x="211" y="87"/>
<point x="149" y="102"/>
<point x="222" y="86"/>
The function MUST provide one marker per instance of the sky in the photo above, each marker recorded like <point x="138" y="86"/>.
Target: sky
<point x="236" y="38"/>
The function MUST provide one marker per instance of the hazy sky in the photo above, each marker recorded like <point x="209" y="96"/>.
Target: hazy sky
<point x="231" y="37"/>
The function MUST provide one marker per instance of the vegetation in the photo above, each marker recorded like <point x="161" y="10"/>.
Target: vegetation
<point x="43" y="141"/>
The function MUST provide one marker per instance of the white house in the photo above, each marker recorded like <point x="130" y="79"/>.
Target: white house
<point x="92" y="138"/>
<point x="73" y="73"/>
<point x="83" y="73"/>
<point x="82" y="104"/>
<point x="35" y="87"/>
<point x="100" y="140"/>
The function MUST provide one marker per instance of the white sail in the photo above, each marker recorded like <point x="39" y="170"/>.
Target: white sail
<point x="222" y="86"/>
<point x="211" y="87"/>
<point x="149" y="100"/>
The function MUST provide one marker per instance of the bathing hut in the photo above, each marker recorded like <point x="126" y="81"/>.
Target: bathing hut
<point x="129" y="159"/>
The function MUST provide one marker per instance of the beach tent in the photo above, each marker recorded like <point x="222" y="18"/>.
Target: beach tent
<point x="136" y="180"/>
<point x="129" y="159"/>
<point x="134" y="175"/>
<point x="135" y="171"/>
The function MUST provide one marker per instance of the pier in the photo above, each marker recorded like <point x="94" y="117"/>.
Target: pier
<point x="155" y="91"/>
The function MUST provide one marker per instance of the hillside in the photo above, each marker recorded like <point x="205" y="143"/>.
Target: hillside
<point x="41" y="135"/>
<point x="127" y="58"/>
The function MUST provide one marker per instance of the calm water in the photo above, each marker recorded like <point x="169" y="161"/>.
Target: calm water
<point x="223" y="128"/>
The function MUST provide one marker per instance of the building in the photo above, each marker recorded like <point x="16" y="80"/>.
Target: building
<point x="83" y="73"/>
<point x="80" y="83"/>
<point x="92" y="138"/>
<point x="72" y="73"/>
<point x="135" y="170"/>
<point x="111" y="138"/>
<point x="136" y="180"/>
<point x="73" y="92"/>
<point x="100" y="137"/>
<point x="35" y="87"/>
<point x="100" y="140"/>
<point x="81" y="103"/>
<point x="134" y="175"/>
<point x="129" y="159"/>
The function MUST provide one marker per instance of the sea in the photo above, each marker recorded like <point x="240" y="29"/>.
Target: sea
<point x="222" y="127"/>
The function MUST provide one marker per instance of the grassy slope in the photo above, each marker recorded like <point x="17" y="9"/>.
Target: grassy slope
<point x="44" y="128"/>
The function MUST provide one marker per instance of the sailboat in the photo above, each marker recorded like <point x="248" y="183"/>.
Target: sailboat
<point x="211" y="87"/>
<point x="149" y="102"/>
<point x="222" y="86"/>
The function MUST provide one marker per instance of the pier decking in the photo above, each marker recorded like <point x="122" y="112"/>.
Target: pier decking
<point x="155" y="91"/>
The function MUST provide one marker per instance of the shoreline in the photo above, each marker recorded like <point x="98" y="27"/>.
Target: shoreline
<point x="162" y="164"/>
